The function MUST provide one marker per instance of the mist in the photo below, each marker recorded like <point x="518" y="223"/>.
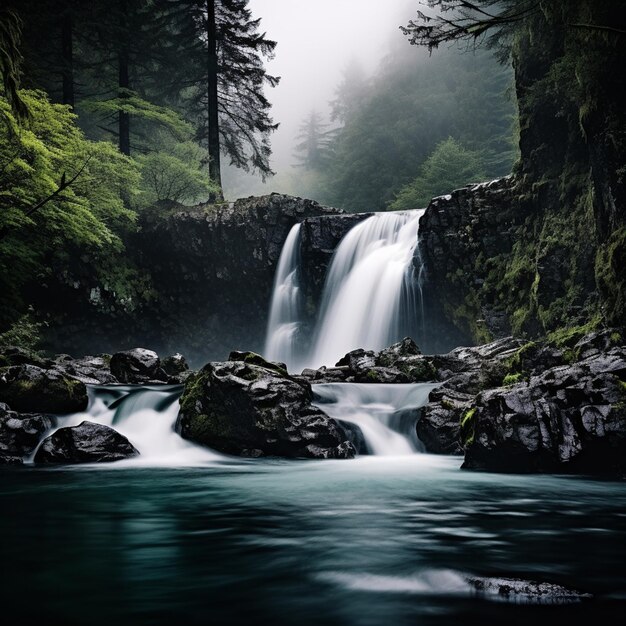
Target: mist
<point x="316" y="42"/>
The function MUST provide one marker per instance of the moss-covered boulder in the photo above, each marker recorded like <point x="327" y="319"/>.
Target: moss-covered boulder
<point x="31" y="389"/>
<point x="250" y="407"/>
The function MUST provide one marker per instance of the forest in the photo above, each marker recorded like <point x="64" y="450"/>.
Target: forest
<point x="313" y="313"/>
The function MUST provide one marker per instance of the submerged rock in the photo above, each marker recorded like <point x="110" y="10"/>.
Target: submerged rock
<point x="518" y="591"/>
<point x="250" y="408"/>
<point x="21" y="434"/>
<point x="85" y="443"/>
<point x="29" y="388"/>
<point x="137" y="366"/>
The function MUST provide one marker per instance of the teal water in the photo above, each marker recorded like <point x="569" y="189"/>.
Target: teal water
<point x="373" y="541"/>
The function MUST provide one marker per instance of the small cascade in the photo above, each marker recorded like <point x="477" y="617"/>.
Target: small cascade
<point x="385" y="414"/>
<point x="372" y="294"/>
<point x="146" y="417"/>
<point x="284" y="319"/>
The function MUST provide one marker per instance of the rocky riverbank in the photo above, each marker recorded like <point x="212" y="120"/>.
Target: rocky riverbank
<point x="508" y="406"/>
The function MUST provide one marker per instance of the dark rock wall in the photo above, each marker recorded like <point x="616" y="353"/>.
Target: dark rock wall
<point x="209" y="272"/>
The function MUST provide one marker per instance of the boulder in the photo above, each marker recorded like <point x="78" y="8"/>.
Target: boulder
<point x="519" y="591"/>
<point x="137" y="366"/>
<point x="249" y="408"/>
<point x="15" y="355"/>
<point x="20" y="434"/>
<point x="438" y="427"/>
<point x="29" y="388"/>
<point x="174" y="365"/>
<point x="86" y="443"/>
<point x="571" y="418"/>
<point x="91" y="370"/>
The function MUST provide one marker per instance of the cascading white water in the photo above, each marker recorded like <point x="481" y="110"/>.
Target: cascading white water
<point x="385" y="414"/>
<point x="146" y="417"/>
<point x="371" y="295"/>
<point x="284" y="319"/>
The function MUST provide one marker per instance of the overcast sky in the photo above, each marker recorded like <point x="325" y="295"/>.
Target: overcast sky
<point x="316" y="40"/>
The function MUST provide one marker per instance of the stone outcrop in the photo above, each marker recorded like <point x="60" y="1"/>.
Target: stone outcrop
<point x="137" y="366"/>
<point x="29" y="388"/>
<point x="249" y="407"/>
<point x="86" y="443"/>
<point x="209" y="270"/>
<point x="400" y="363"/>
<point x="456" y="232"/>
<point x="569" y="418"/>
<point x="20" y="434"/>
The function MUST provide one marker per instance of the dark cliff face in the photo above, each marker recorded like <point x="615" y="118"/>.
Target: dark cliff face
<point x="545" y="249"/>
<point x="462" y="236"/>
<point x="209" y="271"/>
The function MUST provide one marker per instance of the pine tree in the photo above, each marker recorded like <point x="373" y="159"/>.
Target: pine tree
<point x="312" y="149"/>
<point x="221" y="78"/>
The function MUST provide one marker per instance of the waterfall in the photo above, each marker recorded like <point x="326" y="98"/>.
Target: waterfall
<point x="385" y="414"/>
<point x="371" y="296"/>
<point x="284" y="319"/>
<point x="146" y="416"/>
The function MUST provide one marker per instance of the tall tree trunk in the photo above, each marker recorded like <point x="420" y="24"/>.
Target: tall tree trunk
<point x="67" y="54"/>
<point x="213" y="122"/>
<point x="123" y="82"/>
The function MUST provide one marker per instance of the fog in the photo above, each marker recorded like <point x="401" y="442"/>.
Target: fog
<point x="316" y="41"/>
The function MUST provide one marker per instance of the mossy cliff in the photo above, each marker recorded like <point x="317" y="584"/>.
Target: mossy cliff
<point x="545" y="248"/>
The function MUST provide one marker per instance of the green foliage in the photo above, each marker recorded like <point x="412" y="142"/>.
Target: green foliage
<point x="174" y="172"/>
<point x="448" y="167"/>
<point x="610" y="264"/>
<point x="468" y="426"/>
<point x="512" y="379"/>
<point x="139" y="108"/>
<point x="413" y="104"/>
<point x="89" y="218"/>
<point x="24" y="333"/>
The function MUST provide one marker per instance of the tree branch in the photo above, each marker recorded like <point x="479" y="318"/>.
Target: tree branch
<point x="63" y="185"/>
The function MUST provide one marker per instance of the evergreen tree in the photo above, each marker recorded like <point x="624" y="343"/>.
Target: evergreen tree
<point x="312" y="149"/>
<point x="350" y="93"/>
<point x="221" y="78"/>
<point x="449" y="167"/>
<point x="414" y="103"/>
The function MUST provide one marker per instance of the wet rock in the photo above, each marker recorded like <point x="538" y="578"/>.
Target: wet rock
<point x="438" y="427"/>
<point x="329" y="375"/>
<point x="85" y="443"/>
<point x="391" y="355"/>
<point x="174" y="366"/>
<point x="518" y="591"/>
<point x="256" y="359"/>
<point x="14" y="355"/>
<point x="30" y="389"/>
<point x="571" y="418"/>
<point x="91" y="370"/>
<point x="239" y="406"/>
<point x="20" y="434"/>
<point x="358" y="360"/>
<point x="137" y="366"/>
